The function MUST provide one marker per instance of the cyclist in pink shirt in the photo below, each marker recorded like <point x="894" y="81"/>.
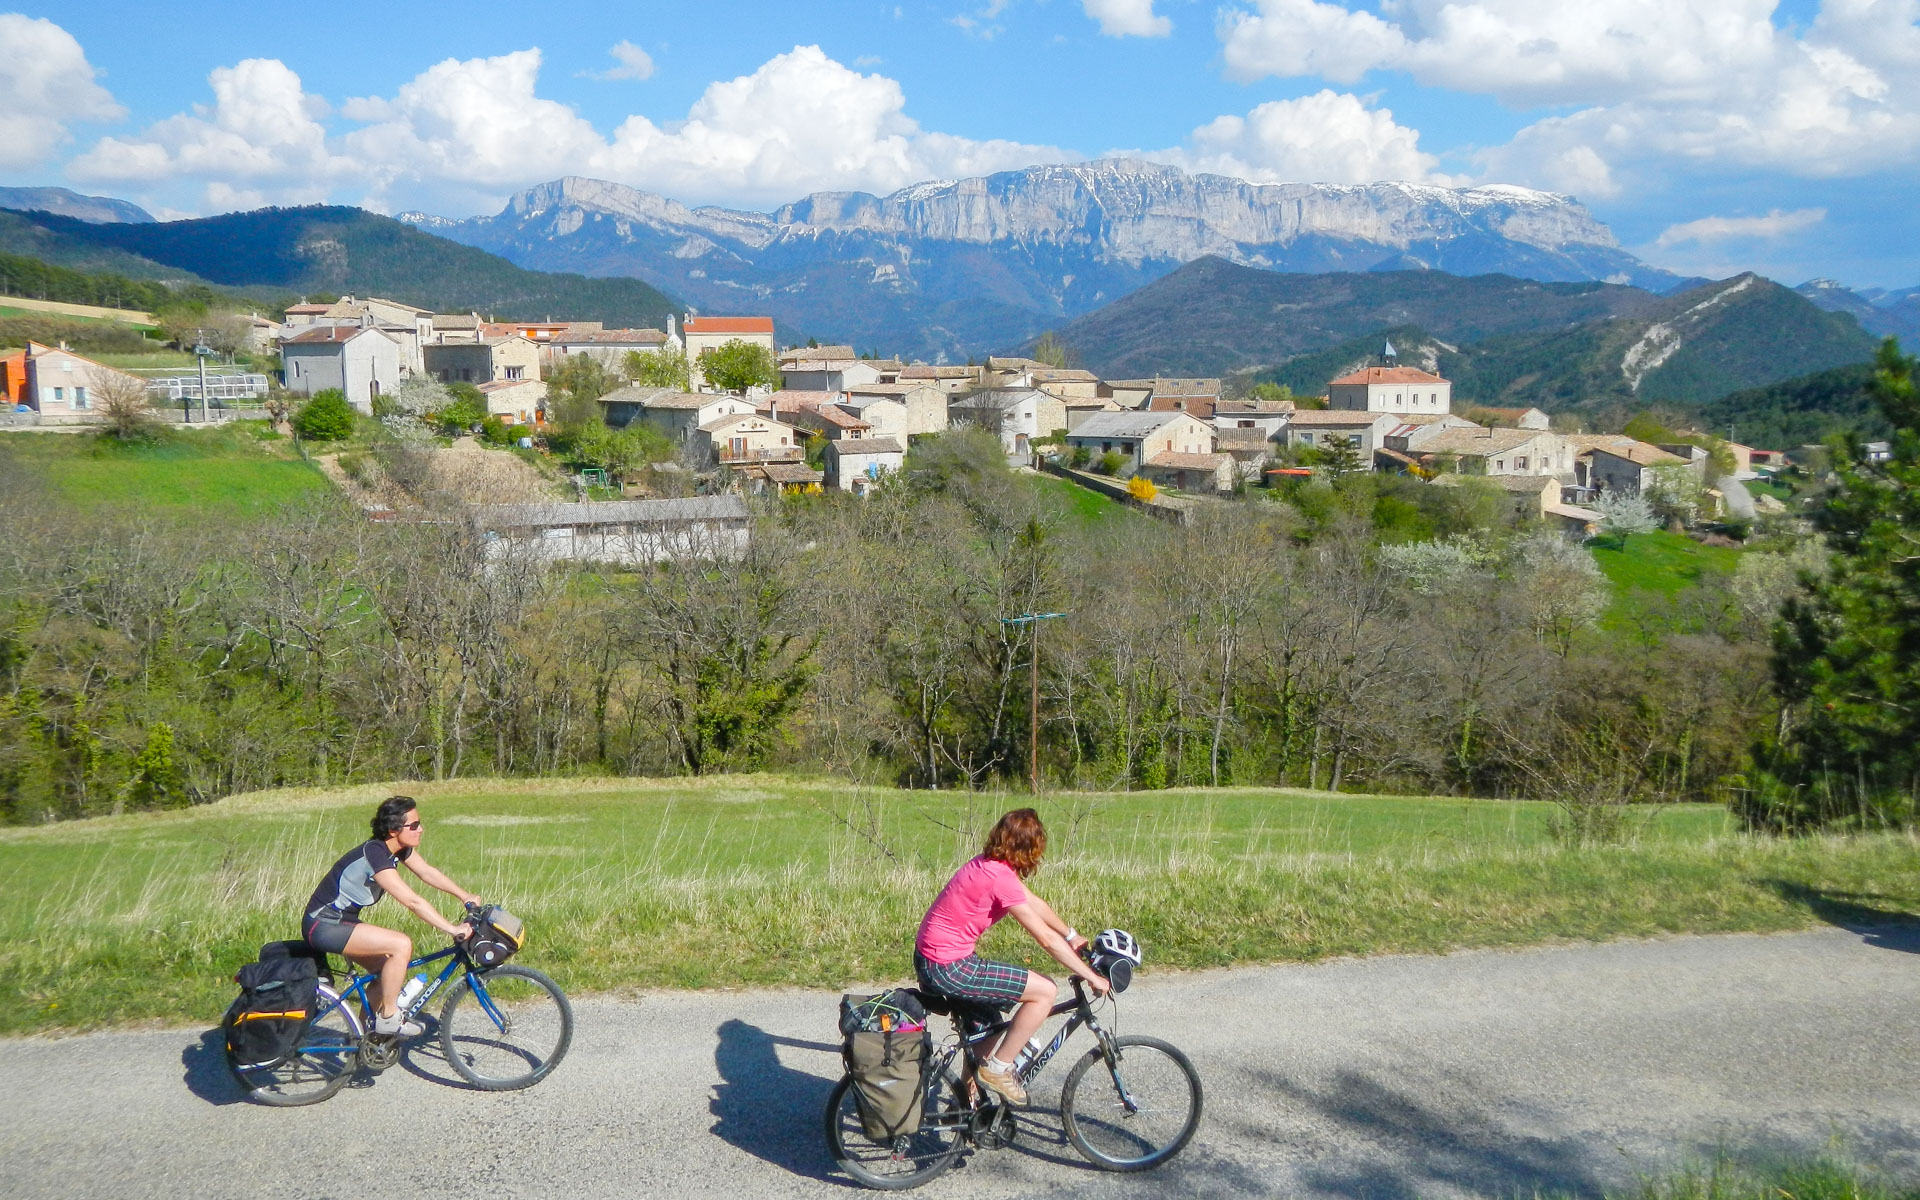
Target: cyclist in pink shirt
<point x="979" y="894"/>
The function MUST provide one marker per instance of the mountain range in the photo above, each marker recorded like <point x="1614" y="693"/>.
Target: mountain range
<point x="67" y="203"/>
<point x="330" y="250"/>
<point x="945" y="269"/>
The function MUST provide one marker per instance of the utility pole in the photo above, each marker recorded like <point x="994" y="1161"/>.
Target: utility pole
<point x="1033" y="708"/>
<point x="200" y="352"/>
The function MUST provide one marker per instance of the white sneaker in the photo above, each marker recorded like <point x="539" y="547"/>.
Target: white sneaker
<point x="396" y="1027"/>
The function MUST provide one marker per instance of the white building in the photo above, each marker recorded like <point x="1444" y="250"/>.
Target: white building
<point x="361" y="362"/>
<point x="1391" y="390"/>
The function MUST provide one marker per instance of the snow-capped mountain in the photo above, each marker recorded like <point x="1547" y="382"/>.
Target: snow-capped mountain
<point x="959" y="266"/>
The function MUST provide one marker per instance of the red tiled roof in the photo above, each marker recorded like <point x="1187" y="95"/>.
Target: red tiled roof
<point x="1389" y="375"/>
<point x="1171" y="460"/>
<point x="729" y="325"/>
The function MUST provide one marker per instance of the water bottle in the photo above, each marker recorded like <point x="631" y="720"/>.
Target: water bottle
<point x="1027" y="1053"/>
<point x="414" y="987"/>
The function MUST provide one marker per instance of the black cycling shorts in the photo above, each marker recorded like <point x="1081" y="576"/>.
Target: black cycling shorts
<point x="328" y="933"/>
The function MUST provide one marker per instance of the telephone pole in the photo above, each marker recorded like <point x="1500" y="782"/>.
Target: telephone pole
<point x="1033" y="707"/>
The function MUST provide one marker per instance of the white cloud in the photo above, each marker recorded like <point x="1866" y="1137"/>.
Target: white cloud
<point x="468" y="132"/>
<point x="1717" y="229"/>
<point x="263" y="130"/>
<point x="46" y="83"/>
<point x="633" y="63"/>
<point x="1328" y="137"/>
<point x="1128" y="18"/>
<point x="1659" y="82"/>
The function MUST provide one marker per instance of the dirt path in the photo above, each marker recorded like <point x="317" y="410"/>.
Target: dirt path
<point x="1486" y="1074"/>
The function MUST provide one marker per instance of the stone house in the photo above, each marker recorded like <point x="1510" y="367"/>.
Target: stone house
<point x="1065" y="383"/>
<point x="515" y="401"/>
<point x="856" y="465"/>
<point x="1390" y="390"/>
<point x="1478" y="450"/>
<point x="63" y="387"/>
<point x="745" y="438"/>
<point x="679" y="415"/>
<point x="608" y="347"/>
<point x="885" y="416"/>
<point x="361" y="362"/>
<point x="1016" y="415"/>
<point x="1313" y="427"/>
<point x="1621" y="464"/>
<point x="924" y="403"/>
<point x="950" y="380"/>
<point x="708" y="333"/>
<point x="831" y="421"/>
<point x="511" y="359"/>
<point x="1267" y="416"/>
<point x="1141" y="437"/>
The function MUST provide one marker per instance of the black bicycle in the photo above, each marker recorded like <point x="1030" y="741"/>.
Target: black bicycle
<point x="1129" y="1104"/>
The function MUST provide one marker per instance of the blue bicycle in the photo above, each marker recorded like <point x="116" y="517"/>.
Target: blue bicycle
<point x="501" y="1028"/>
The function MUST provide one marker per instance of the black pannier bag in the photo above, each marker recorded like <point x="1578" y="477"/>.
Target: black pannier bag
<point x="276" y="1002"/>
<point x="497" y="935"/>
<point x="886" y="1049"/>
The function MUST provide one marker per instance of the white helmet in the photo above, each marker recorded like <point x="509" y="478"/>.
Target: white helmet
<point x="1117" y="943"/>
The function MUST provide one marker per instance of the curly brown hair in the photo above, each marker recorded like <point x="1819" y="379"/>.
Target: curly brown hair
<point x="1018" y="841"/>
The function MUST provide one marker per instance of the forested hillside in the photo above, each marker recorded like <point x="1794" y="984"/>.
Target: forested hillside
<point x="344" y="250"/>
<point x="1799" y="411"/>
<point x="1590" y="347"/>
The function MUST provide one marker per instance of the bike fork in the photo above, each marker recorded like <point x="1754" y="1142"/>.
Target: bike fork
<point x="1111" y="1053"/>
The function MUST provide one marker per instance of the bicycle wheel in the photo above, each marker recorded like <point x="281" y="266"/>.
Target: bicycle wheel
<point x="506" y="1029"/>
<point x="1136" y="1111"/>
<point x="907" y="1161"/>
<point x="321" y="1062"/>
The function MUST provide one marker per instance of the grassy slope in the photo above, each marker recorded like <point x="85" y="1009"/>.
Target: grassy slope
<point x="1652" y="565"/>
<point x="759" y="882"/>
<point x="1084" y="505"/>
<point x="222" y="471"/>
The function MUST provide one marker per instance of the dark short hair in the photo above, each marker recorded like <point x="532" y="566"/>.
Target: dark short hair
<point x="391" y="815"/>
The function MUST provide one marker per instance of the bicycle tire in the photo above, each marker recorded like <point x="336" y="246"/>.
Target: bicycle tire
<point x="1100" y="1126"/>
<point x="539" y="1028"/>
<point x="942" y="1132"/>
<point x="321" y="1062"/>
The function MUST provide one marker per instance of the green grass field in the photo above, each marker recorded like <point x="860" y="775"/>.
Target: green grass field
<point x="756" y="881"/>
<point x="221" y="471"/>
<point x="1655" y="564"/>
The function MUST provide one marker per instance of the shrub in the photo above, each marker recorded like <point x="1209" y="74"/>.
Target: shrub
<point x="496" y="432"/>
<point x="1141" y="488"/>
<point x="357" y="467"/>
<point x="1110" y="463"/>
<point x="325" y="418"/>
<point x="1082" y="455"/>
<point x="460" y="416"/>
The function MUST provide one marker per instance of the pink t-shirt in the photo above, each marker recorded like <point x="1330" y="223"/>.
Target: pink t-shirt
<point x="979" y="894"/>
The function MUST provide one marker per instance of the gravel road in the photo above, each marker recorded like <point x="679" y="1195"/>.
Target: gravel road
<point x="1483" y="1074"/>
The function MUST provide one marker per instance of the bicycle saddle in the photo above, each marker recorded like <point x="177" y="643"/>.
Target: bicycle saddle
<point x="972" y="1013"/>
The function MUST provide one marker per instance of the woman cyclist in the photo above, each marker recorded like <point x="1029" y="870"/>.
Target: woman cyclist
<point x="370" y="870"/>
<point x="979" y="894"/>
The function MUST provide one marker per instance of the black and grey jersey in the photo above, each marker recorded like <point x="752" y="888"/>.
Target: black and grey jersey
<point x="349" y="886"/>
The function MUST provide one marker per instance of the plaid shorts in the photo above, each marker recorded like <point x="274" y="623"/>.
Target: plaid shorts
<point x="973" y="978"/>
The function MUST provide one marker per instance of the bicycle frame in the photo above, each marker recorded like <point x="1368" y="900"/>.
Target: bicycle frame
<point x="1082" y="1016"/>
<point x="357" y="986"/>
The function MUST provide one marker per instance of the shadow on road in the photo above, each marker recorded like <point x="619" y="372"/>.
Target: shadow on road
<point x="773" y="1112"/>
<point x="207" y="1077"/>
<point x="1393" y="1145"/>
<point x="1887" y="928"/>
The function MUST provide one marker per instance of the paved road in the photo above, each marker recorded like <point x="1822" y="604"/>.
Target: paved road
<point x="1482" y="1074"/>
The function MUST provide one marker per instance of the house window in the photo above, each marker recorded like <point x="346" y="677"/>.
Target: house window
<point x="1246" y="424"/>
<point x="513" y="373"/>
<point x="80" y="398"/>
<point x="1520" y="463"/>
<point x="60" y="394"/>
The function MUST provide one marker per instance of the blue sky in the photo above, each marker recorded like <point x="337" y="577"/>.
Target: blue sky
<point x="1712" y="135"/>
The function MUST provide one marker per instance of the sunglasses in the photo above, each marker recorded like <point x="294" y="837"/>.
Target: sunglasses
<point x="411" y="825"/>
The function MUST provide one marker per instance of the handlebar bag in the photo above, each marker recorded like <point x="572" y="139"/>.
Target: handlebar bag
<point x="886" y="1069"/>
<point x="277" y="998"/>
<point x="497" y="935"/>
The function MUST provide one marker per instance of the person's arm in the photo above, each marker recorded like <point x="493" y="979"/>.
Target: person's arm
<point x="1074" y="941"/>
<point x="1032" y="916"/>
<point x="390" y="881"/>
<point x="433" y="876"/>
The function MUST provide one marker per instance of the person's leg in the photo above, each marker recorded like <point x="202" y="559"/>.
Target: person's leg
<point x="386" y="951"/>
<point x="1035" y="1002"/>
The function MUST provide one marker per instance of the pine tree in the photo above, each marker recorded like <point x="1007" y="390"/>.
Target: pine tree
<point x="1847" y="650"/>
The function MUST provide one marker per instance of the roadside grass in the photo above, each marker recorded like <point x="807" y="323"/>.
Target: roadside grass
<point x="222" y="471"/>
<point x="1655" y="564"/>
<point x="1804" y="1178"/>
<point x="1083" y="505"/>
<point x="764" y="882"/>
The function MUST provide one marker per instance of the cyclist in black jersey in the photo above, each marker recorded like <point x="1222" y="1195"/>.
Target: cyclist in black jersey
<point x="331" y="920"/>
